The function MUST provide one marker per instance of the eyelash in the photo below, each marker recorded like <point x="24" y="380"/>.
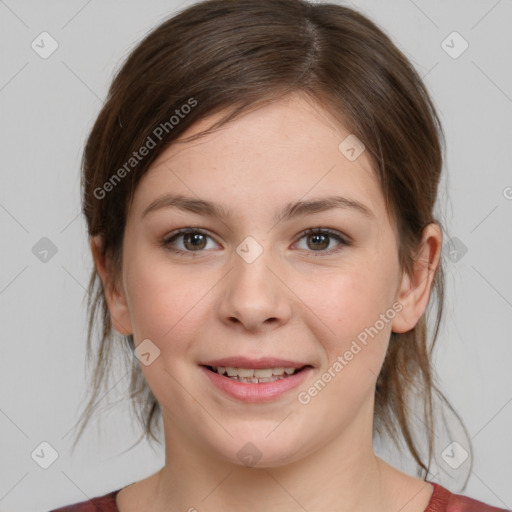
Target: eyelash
<point x="312" y="231"/>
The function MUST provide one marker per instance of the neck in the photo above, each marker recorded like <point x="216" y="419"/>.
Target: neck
<point x="343" y="475"/>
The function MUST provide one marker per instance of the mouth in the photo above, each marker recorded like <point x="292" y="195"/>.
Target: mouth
<point x="255" y="380"/>
<point x="256" y="375"/>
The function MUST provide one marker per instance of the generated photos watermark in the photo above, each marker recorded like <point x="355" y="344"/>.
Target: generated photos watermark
<point x="150" y="143"/>
<point x="305" y="397"/>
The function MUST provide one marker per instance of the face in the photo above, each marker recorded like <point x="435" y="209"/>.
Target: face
<point x="256" y="286"/>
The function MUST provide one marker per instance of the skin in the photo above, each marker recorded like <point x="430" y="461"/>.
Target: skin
<point x="287" y="304"/>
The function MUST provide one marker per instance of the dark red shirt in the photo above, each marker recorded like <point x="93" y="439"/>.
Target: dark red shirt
<point x="442" y="500"/>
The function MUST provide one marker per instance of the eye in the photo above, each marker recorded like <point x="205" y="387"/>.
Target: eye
<point x="194" y="240"/>
<point x="318" y="239"/>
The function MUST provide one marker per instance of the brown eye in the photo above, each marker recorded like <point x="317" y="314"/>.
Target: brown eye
<point x="196" y="241"/>
<point x="318" y="240"/>
<point x="192" y="240"/>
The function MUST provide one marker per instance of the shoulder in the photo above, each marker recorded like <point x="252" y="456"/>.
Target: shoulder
<point x="105" y="503"/>
<point x="445" y="501"/>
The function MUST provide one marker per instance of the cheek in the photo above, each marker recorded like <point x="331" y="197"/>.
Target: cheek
<point x="166" y="307"/>
<point x="351" y="299"/>
<point x="165" y="302"/>
<point x="355" y="344"/>
<point x="356" y="306"/>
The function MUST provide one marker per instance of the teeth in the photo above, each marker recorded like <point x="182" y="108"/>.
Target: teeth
<point x="261" y="373"/>
<point x="255" y="375"/>
<point x="246" y="372"/>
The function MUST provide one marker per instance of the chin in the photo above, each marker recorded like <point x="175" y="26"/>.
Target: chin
<point x="258" y="451"/>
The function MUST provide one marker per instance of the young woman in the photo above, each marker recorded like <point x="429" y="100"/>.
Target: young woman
<point x="259" y="191"/>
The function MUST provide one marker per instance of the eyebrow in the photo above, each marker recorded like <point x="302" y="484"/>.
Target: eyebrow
<point x="291" y="210"/>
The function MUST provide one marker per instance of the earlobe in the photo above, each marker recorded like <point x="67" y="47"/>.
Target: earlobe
<point x="415" y="288"/>
<point x="115" y="298"/>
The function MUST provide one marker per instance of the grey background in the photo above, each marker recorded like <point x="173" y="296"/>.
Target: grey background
<point x="47" y="108"/>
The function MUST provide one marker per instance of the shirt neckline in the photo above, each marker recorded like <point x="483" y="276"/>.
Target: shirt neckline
<point x="433" y="504"/>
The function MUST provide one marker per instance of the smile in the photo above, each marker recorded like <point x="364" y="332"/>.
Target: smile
<point x="255" y="384"/>
<point x="254" y="375"/>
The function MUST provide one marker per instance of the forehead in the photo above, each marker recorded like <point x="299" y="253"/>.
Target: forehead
<point x="282" y="152"/>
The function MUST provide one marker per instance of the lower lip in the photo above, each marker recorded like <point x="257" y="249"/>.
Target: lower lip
<point x="250" y="392"/>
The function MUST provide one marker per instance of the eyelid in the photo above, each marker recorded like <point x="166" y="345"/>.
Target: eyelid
<point x="331" y="232"/>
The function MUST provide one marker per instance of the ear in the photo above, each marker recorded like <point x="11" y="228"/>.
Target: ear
<point x="414" y="290"/>
<point x="116" y="299"/>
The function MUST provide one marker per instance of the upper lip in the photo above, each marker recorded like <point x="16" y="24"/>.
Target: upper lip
<point x="246" y="362"/>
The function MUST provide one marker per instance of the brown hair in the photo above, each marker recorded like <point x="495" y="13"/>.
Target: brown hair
<point x="237" y="55"/>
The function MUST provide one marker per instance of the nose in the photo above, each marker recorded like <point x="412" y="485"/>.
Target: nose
<point x="254" y="296"/>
